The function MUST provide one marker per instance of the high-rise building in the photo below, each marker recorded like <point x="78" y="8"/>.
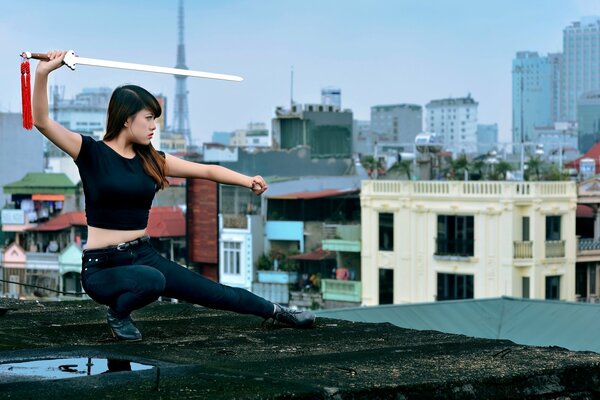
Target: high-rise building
<point x="331" y="96"/>
<point x="487" y="137"/>
<point x="455" y="120"/>
<point x="581" y="64"/>
<point x="535" y="93"/>
<point x="397" y="123"/>
<point x="327" y="130"/>
<point x="588" y="120"/>
<point x="21" y="151"/>
<point x="362" y="139"/>
<point x="86" y="113"/>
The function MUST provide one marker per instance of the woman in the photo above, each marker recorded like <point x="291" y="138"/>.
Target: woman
<point x="120" y="177"/>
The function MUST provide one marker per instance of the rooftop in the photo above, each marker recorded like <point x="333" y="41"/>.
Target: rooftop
<point x="201" y="353"/>
<point x="41" y="182"/>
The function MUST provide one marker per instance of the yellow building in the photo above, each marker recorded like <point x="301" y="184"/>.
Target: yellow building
<point x="440" y="240"/>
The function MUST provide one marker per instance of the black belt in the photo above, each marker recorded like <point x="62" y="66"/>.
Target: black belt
<point x="125" y="245"/>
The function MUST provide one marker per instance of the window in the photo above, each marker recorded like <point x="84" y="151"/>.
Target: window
<point x="553" y="227"/>
<point x="231" y="257"/>
<point x="454" y="287"/>
<point x="455" y="235"/>
<point x="525" y="283"/>
<point x="553" y="287"/>
<point x="525" y="229"/>
<point x="386" y="286"/>
<point x="386" y="231"/>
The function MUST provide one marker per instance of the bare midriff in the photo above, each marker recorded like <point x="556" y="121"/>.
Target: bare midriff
<point x="99" y="238"/>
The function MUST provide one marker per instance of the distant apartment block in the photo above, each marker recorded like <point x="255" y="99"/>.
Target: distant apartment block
<point x="256" y="134"/>
<point x="397" y="123"/>
<point x="487" y="137"/>
<point x="581" y="63"/>
<point x="588" y="120"/>
<point x="21" y="151"/>
<point x="444" y="240"/>
<point x="454" y="119"/>
<point x="362" y="139"/>
<point x="535" y="94"/>
<point x="326" y="129"/>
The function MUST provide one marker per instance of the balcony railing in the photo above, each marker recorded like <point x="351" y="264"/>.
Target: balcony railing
<point x="342" y="232"/>
<point x="513" y="190"/>
<point x="555" y="248"/>
<point x="334" y="289"/>
<point x="587" y="244"/>
<point x="522" y="249"/>
<point x="344" y="238"/>
<point x="235" y="221"/>
<point x="454" y="247"/>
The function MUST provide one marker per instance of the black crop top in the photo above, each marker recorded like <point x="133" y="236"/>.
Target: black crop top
<point x="118" y="192"/>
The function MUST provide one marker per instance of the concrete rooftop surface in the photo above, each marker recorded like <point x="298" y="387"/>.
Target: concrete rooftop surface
<point x="207" y="354"/>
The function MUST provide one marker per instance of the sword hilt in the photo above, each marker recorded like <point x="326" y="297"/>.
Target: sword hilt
<point x="35" y="56"/>
<point x="69" y="60"/>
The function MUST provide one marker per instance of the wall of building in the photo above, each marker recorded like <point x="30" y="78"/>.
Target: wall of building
<point x="21" y="151"/>
<point x="497" y="208"/>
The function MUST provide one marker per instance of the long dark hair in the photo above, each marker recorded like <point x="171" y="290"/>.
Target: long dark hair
<point x="125" y="102"/>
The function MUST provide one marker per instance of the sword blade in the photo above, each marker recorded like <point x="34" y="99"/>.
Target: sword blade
<point x="152" y="68"/>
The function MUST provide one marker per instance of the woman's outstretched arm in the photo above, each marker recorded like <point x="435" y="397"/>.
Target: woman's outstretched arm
<point x="66" y="140"/>
<point x="177" y="167"/>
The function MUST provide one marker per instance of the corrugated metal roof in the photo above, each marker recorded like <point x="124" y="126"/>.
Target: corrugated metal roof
<point x="574" y="326"/>
<point x="313" y="184"/>
<point x="315" y="195"/>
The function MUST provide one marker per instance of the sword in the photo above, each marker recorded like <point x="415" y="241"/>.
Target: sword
<point x="71" y="60"/>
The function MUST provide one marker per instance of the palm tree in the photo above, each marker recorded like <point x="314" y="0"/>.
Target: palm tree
<point x="534" y="165"/>
<point x="403" y="167"/>
<point x="456" y="169"/>
<point x="478" y="165"/>
<point x="370" y="164"/>
<point x="500" y="170"/>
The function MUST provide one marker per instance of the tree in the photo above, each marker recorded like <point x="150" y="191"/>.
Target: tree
<point x="456" y="169"/>
<point x="534" y="165"/>
<point x="478" y="165"/>
<point x="553" y="173"/>
<point x="403" y="168"/>
<point x="370" y="164"/>
<point x="499" y="171"/>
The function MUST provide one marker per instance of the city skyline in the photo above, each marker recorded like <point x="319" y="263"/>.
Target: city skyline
<point x="383" y="52"/>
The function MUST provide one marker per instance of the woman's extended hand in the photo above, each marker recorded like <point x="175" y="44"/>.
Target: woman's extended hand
<point x="56" y="60"/>
<point x="258" y="185"/>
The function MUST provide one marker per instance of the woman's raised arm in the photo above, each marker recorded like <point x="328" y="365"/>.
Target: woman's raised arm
<point x="66" y="140"/>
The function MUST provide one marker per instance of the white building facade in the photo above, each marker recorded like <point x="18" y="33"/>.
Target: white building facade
<point x="455" y="119"/>
<point x="240" y="245"/>
<point x="442" y="240"/>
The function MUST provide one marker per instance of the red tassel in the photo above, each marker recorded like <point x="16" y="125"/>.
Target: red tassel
<point x="26" y="95"/>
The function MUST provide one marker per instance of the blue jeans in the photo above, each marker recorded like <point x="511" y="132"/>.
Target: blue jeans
<point x="131" y="279"/>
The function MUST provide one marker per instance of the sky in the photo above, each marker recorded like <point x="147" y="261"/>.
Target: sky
<point x="376" y="51"/>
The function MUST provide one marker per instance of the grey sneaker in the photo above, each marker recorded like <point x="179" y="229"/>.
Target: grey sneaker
<point x="294" y="318"/>
<point x="122" y="328"/>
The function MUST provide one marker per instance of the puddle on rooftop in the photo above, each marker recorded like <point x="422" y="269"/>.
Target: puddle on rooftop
<point x="62" y="368"/>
